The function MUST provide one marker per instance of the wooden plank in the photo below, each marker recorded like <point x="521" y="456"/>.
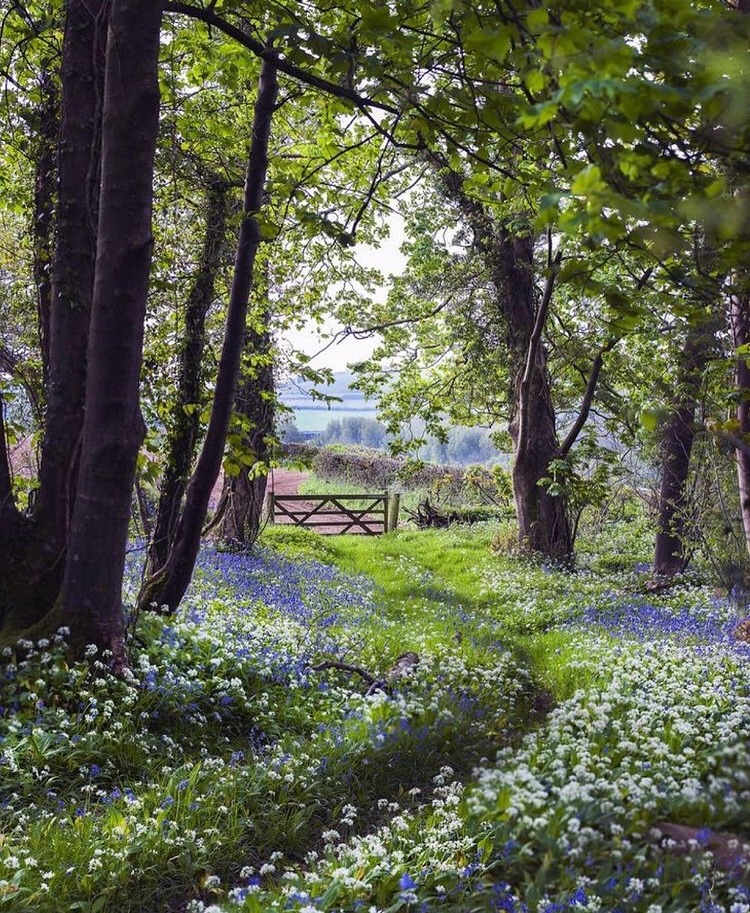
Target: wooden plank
<point x="393" y="510"/>
<point x="346" y="523"/>
<point x="364" y="497"/>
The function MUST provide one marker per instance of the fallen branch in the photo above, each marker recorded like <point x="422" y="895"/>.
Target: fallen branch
<point x="346" y="667"/>
<point x="404" y="664"/>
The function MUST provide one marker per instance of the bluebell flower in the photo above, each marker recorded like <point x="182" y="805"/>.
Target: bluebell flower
<point x="578" y="898"/>
<point x="406" y="882"/>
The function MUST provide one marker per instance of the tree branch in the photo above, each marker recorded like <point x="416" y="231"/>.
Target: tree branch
<point x="11" y="364"/>
<point x="367" y="332"/>
<point x="588" y="398"/>
<point x="209" y="17"/>
<point x="346" y="667"/>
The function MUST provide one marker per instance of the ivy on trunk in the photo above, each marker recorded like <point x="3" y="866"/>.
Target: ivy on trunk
<point x="167" y="587"/>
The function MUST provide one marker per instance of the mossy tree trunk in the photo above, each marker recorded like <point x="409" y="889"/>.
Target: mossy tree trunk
<point x="184" y="422"/>
<point x="244" y="491"/>
<point x="66" y="563"/>
<point x="670" y="553"/>
<point x="167" y="587"/>
<point x="113" y="428"/>
<point x="543" y="524"/>
<point x="32" y="562"/>
<point x="739" y="317"/>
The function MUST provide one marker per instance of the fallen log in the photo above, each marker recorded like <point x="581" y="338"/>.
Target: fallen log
<point x="730" y="852"/>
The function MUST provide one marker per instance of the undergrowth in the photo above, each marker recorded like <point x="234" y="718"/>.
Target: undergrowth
<point x="555" y="718"/>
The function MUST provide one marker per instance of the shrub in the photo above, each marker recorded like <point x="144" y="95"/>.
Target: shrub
<point x="442" y="483"/>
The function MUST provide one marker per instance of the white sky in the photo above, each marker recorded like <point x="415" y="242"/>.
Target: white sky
<point x="390" y="261"/>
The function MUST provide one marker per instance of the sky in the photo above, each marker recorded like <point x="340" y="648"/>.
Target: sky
<point x="390" y="261"/>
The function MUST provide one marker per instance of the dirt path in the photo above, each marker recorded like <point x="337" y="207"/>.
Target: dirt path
<point x="281" y="481"/>
<point x="286" y="481"/>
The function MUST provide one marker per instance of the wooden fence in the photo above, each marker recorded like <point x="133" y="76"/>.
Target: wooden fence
<point x="368" y="514"/>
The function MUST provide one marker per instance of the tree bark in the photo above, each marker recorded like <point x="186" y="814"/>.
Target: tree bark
<point x="90" y="600"/>
<point x="168" y="586"/>
<point x="669" y="550"/>
<point x="183" y="433"/>
<point x="73" y="268"/>
<point x="33" y="553"/>
<point x="670" y="556"/>
<point x="45" y="188"/>
<point x="739" y="317"/>
<point x="543" y="524"/>
<point x="7" y="503"/>
<point x="243" y="494"/>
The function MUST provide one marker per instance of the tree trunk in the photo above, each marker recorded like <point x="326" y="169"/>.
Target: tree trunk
<point x="33" y="553"/>
<point x="168" y="586"/>
<point x="739" y="316"/>
<point x="543" y="525"/>
<point x="142" y="508"/>
<point x="7" y="503"/>
<point x="91" y="596"/>
<point x="243" y="494"/>
<point x="669" y="552"/>
<point x="73" y="268"/>
<point x="45" y="187"/>
<point x="185" y="420"/>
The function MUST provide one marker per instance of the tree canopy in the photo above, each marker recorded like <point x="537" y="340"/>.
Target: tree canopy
<point x="574" y="187"/>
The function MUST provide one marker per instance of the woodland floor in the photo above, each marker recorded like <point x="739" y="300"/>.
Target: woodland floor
<point x="557" y="723"/>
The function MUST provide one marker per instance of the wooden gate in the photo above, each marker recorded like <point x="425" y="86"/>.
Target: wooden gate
<point x="336" y="513"/>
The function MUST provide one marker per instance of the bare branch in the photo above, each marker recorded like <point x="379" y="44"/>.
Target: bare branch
<point x="366" y="332"/>
<point x="11" y="364"/>
<point x="346" y="667"/>
<point x="588" y="398"/>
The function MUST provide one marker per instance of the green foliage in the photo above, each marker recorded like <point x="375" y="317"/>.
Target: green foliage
<point x="586" y="477"/>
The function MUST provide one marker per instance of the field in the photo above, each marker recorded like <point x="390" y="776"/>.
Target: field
<point x="317" y="418"/>
<point x="555" y="718"/>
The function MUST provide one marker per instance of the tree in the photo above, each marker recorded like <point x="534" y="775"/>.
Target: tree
<point x="83" y="526"/>
<point x="480" y="354"/>
<point x="184" y="417"/>
<point x="670" y="552"/>
<point x="246" y="473"/>
<point x="168" y="585"/>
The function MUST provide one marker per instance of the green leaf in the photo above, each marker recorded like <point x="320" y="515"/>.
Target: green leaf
<point x="535" y="81"/>
<point x="588" y="181"/>
<point x="537" y="19"/>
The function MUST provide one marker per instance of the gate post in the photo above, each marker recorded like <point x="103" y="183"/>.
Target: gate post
<point x="271" y="507"/>
<point x="392" y="514"/>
